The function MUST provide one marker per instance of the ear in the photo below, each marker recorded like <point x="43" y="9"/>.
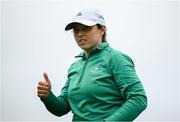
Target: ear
<point x="103" y="30"/>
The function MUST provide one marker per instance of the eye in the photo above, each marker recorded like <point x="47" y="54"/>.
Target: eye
<point x="83" y="29"/>
<point x="87" y="28"/>
<point x="76" y="30"/>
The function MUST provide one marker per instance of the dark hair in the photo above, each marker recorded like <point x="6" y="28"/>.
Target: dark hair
<point x="104" y="35"/>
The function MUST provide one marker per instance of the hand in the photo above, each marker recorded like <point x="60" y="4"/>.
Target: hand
<point x="44" y="87"/>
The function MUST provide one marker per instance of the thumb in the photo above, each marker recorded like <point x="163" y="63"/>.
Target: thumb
<point x="46" y="77"/>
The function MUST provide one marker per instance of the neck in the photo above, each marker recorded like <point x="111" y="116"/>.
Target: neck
<point x="87" y="52"/>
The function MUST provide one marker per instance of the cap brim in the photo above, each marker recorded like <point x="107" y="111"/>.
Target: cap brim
<point x="84" y="22"/>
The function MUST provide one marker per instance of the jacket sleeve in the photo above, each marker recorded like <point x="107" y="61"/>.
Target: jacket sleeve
<point x="58" y="105"/>
<point x="130" y="88"/>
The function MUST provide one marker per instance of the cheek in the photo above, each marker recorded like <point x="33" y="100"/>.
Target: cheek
<point x="97" y="36"/>
<point x="75" y="38"/>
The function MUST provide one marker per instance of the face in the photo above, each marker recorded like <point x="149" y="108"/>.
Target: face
<point x="88" y="37"/>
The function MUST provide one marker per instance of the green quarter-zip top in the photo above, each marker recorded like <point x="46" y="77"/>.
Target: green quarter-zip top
<point x="104" y="86"/>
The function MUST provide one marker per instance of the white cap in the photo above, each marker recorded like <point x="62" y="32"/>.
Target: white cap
<point x="88" y="17"/>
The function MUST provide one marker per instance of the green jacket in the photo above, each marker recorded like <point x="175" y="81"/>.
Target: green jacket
<point x="103" y="87"/>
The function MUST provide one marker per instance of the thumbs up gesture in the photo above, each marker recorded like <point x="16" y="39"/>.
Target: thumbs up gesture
<point x="44" y="87"/>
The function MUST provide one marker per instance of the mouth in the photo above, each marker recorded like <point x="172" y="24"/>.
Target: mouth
<point x="82" y="41"/>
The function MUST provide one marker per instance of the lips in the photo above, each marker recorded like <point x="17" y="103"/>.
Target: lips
<point x="82" y="41"/>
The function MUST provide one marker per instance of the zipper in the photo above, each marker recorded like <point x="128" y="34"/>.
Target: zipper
<point x="84" y="68"/>
<point x="82" y="74"/>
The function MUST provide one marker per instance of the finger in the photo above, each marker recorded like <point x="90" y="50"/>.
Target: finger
<point x="43" y="88"/>
<point x="42" y="92"/>
<point x="46" y="77"/>
<point x="43" y="83"/>
<point x="42" y="95"/>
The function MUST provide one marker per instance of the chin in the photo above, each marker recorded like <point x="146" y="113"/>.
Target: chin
<point x="84" y="47"/>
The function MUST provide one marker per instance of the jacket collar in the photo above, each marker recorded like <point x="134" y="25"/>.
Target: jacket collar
<point x="98" y="48"/>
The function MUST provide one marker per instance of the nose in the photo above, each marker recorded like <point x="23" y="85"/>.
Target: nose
<point x="80" y="33"/>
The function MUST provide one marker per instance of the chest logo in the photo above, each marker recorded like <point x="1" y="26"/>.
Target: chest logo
<point x="95" y="70"/>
